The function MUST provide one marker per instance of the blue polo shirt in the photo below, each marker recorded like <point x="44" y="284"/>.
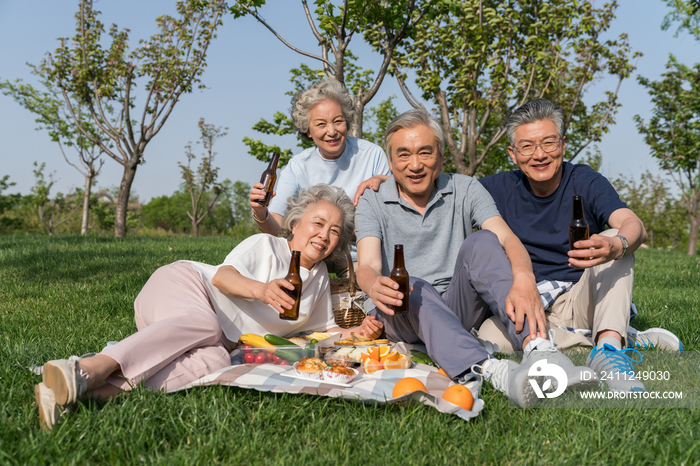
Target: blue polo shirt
<point x="542" y="223"/>
<point x="431" y="240"/>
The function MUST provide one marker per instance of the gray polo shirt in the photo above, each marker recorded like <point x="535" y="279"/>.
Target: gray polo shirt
<point x="431" y="241"/>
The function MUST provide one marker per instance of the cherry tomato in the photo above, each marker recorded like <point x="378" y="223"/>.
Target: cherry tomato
<point x="284" y="362"/>
<point x="247" y="348"/>
<point x="249" y="358"/>
<point x="260" y="358"/>
<point x="276" y="359"/>
<point x="270" y="357"/>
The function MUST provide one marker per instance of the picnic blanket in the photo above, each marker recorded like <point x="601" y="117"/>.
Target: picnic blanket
<point x="375" y="387"/>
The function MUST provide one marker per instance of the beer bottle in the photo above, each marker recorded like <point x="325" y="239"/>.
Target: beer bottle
<point x="268" y="179"/>
<point x="400" y="275"/>
<point x="293" y="277"/>
<point x="578" y="228"/>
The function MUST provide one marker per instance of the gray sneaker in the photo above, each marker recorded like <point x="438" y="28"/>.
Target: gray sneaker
<point x="615" y="368"/>
<point x="65" y="379"/>
<point x="511" y="379"/>
<point x="654" y="338"/>
<point x="578" y="377"/>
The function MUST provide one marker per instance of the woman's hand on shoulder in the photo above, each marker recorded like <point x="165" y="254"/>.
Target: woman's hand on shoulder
<point x="273" y="294"/>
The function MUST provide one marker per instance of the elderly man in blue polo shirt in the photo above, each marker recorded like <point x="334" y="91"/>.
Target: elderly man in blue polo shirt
<point x="458" y="278"/>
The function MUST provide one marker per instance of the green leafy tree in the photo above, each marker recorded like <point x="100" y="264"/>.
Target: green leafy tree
<point x="7" y="203"/>
<point x="483" y="58"/>
<point x="204" y="179"/>
<point x="664" y="217"/>
<point x="673" y="134"/>
<point x="52" y="212"/>
<point x="685" y="13"/>
<point x="166" y="212"/>
<point x="103" y="80"/>
<point x="334" y="28"/>
<point x="52" y="115"/>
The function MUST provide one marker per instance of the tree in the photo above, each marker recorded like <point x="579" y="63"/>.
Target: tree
<point x="53" y="116"/>
<point x="663" y="215"/>
<point x="685" y="12"/>
<point x="484" y="58"/>
<point x="198" y="183"/>
<point x="52" y="212"/>
<point x="673" y="134"/>
<point x="334" y="28"/>
<point x="103" y="80"/>
<point x="7" y="202"/>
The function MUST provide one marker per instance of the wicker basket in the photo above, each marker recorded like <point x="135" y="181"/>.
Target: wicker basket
<point x="346" y="299"/>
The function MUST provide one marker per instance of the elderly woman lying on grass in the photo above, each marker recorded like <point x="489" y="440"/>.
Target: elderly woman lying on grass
<point x="189" y="315"/>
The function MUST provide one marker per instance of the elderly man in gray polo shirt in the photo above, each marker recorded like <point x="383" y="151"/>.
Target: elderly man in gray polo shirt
<point x="458" y="278"/>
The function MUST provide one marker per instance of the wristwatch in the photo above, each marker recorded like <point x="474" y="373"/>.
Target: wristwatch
<point x="625" y="245"/>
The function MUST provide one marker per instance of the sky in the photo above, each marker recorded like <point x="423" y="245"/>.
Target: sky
<point x="247" y="77"/>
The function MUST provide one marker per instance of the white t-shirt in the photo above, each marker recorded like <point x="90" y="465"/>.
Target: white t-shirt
<point x="263" y="257"/>
<point x="360" y="161"/>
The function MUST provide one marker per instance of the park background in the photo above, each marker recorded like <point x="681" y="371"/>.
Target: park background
<point x="246" y="80"/>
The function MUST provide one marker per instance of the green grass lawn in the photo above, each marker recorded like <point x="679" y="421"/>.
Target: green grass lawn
<point x="70" y="295"/>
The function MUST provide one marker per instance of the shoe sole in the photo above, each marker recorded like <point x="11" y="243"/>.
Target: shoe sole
<point x="57" y="377"/>
<point x="44" y="416"/>
<point x="673" y="343"/>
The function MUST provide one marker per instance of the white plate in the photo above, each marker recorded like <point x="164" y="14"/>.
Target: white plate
<point x="293" y="374"/>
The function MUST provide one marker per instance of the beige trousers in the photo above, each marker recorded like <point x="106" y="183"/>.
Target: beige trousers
<point x="601" y="300"/>
<point x="179" y="338"/>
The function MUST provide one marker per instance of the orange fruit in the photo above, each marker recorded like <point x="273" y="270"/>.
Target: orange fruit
<point x="383" y="351"/>
<point x="390" y="356"/>
<point x="363" y="357"/>
<point x="442" y="371"/>
<point x="407" y="385"/>
<point x="374" y="354"/>
<point x="403" y="362"/>
<point x="459" y="395"/>
<point x="370" y="365"/>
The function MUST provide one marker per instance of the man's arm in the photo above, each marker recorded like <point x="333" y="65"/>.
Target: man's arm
<point x="601" y="249"/>
<point x="523" y="298"/>
<point x="382" y="290"/>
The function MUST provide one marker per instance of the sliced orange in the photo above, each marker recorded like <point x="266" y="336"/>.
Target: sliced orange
<point x="404" y="362"/>
<point x="370" y="365"/>
<point x="364" y="356"/>
<point x="383" y="351"/>
<point x="374" y="354"/>
<point x="391" y="356"/>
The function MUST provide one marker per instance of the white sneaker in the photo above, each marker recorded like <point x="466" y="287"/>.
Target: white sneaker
<point x="578" y="377"/>
<point x="615" y="368"/>
<point x="654" y="338"/>
<point x="509" y="378"/>
<point x="49" y="412"/>
<point x="65" y="379"/>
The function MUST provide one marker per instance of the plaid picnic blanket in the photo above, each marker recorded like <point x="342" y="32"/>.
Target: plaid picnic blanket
<point x="375" y="387"/>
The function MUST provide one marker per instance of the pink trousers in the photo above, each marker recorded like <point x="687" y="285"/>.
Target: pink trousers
<point x="179" y="338"/>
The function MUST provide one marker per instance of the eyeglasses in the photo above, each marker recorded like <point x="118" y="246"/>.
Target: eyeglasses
<point x="528" y="149"/>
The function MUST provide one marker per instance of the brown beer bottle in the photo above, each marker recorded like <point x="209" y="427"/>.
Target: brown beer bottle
<point x="293" y="277"/>
<point x="268" y="179"/>
<point x="400" y="275"/>
<point x="578" y="228"/>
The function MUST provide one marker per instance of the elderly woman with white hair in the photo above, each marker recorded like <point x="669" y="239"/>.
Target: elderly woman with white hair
<point x="190" y="315"/>
<point x="323" y="113"/>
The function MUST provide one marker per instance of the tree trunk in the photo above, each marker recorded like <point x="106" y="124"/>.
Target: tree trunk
<point x="123" y="198"/>
<point x="693" y="237"/>
<point x="195" y="229"/>
<point x="356" y="130"/>
<point x="85" y="215"/>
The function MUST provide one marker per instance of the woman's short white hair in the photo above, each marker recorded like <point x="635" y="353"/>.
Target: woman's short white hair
<point x="327" y="89"/>
<point x="299" y="205"/>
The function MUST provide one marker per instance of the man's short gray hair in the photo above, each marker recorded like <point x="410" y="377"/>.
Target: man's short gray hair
<point x="411" y="119"/>
<point x="327" y="89"/>
<point x="299" y="205"/>
<point x="535" y="110"/>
